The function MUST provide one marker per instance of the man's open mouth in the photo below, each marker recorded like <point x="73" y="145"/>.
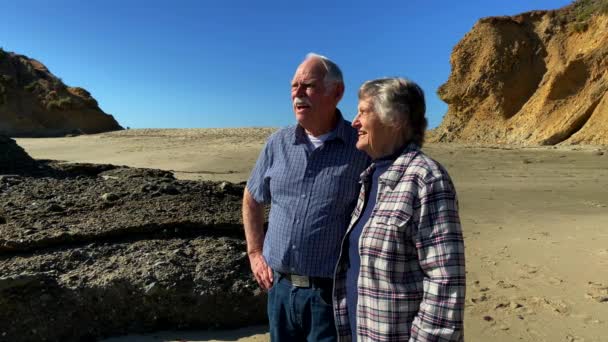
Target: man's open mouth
<point x="302" y="106"/>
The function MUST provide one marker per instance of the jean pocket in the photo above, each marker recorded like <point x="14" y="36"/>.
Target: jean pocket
<point x="325" y="296"/>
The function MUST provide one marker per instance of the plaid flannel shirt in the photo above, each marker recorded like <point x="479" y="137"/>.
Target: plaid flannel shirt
<point x="411" y="284"/>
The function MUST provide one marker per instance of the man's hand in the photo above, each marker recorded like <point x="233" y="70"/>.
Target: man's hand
<point x="261" y="270"/>
<point x="253" y="221"/>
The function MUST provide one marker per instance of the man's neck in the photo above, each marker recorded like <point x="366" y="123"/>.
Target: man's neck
<point x="322" y="128"/>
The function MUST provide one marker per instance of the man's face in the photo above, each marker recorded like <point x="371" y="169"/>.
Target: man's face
<point x="312" y="102"/>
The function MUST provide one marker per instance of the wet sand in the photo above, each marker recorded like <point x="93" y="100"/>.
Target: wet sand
<point x="535" y="221"/>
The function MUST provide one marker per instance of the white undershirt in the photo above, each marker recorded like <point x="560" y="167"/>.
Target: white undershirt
<point x="318" y="141"/>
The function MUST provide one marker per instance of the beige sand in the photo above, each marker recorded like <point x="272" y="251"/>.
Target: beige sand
<point x="535" y="223"/>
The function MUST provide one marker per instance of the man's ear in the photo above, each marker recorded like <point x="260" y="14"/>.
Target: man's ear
<point x="339" y="91"/>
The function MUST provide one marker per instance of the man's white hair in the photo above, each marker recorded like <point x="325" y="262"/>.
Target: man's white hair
<point x="333" y="73"/>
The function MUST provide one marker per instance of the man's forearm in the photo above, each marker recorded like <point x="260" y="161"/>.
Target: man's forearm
<point x="253" y="221"/>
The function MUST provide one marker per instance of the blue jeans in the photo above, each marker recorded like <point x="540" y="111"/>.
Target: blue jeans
<point x="300" y="314"/>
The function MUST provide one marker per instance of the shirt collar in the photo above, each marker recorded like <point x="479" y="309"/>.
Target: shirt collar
<point x="395" y="172"/>
<point x="341" y="130"/>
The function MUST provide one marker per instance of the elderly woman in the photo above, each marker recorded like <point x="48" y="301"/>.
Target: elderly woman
<point x="401" y="273"/>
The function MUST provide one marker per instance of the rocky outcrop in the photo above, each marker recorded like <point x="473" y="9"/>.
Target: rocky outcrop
<point x="536" y="78"/>
<point x="96" y="250"/>
<point x="36" y="103"/>
<point x="13" y="158"/>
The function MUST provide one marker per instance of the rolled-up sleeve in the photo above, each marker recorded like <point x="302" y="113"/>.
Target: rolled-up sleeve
<point x="440" y="247"/>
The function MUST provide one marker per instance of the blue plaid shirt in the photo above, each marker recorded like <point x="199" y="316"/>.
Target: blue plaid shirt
<point x="312" y="194"/>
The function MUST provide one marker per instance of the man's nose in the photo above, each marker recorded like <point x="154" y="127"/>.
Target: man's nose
<point x="300" y="90"/>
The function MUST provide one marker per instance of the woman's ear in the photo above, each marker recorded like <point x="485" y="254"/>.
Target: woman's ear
<point x="404" y="130"/>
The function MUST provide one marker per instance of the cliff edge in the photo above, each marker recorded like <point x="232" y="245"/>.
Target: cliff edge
<point x="36" y="103"/>
<point x="536" y="78"/>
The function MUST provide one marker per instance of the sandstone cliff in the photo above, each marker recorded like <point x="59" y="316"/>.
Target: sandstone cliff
<point x="34" y="102"/>
<point x="536" y="78"/>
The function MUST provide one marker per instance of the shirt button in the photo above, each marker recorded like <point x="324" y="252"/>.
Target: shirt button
<point x="293" y="247"/>
<point x="297" y="220"/>
<point x="303" y="196"/>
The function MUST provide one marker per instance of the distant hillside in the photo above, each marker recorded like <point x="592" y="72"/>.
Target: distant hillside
<point x="535" y="78"/>
<point x="34" y="102"/>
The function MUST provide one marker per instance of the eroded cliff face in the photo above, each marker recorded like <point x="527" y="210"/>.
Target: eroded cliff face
<point x="34" y="102"/>
<point x="530" y="79"/>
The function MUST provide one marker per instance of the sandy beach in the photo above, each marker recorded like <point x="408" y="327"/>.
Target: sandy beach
<point x="534" y="219"/>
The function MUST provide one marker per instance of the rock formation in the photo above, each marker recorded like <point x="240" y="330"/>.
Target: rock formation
<point x="88" y="251"/>
<point x="13" y="158"/>
<point x="35" y="103"/>
<point x="536" y="78"/>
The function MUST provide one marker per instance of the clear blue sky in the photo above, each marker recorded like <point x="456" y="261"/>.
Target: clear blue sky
<point x="229" y="63"/>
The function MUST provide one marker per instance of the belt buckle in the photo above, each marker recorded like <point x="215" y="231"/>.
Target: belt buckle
<point x="299" y="281"/>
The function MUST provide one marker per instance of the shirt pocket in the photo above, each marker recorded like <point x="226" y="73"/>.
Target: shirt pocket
<point x="394" y="221"/>
<point x="386" y="247"/>
<point x="396" y="215"/>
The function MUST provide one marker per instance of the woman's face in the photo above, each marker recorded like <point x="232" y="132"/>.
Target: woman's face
<point x="374" y="137"/>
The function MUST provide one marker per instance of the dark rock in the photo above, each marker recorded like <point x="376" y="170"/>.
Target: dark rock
<point x="13" y="158"/>
<point x="84" y="170"/>
<point x="54" y="207"/>
<point x="152" y="289"/>
<point x="110" y="197"/>
<point x="169" y="189"/>
<point x="141" y="262"/>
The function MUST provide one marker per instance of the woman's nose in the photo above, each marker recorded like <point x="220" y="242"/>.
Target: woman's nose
<point x="356" y="123"/>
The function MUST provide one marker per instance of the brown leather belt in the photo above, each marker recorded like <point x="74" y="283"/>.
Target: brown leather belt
<point x="306" y="281"/>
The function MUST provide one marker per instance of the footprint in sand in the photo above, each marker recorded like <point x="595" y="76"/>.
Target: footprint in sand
<point x="594" y="204"/>
<point x="556" y="306"/>
<point x="555" y="281"/>
<point x="531" y="271"/>
<point x="597" y="292"/>
<point x="574" y="338"/>
<point x="504" y="285"/>
<point x="480" y="299"/>
<point x="528" y="271"/>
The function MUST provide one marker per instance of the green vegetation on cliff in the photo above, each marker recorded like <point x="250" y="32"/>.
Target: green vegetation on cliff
<point x="579" y="13"/>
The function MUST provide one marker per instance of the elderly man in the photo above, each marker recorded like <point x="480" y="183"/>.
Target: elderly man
<point x="308" y="173"/>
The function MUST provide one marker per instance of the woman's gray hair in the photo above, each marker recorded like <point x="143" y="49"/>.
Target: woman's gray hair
<point x="398" y="101"/>
<point x="333" y="73"/>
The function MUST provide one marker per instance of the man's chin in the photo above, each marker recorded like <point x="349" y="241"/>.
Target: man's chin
<point x="302" y="118"/>
<point x="302" y="112"/>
